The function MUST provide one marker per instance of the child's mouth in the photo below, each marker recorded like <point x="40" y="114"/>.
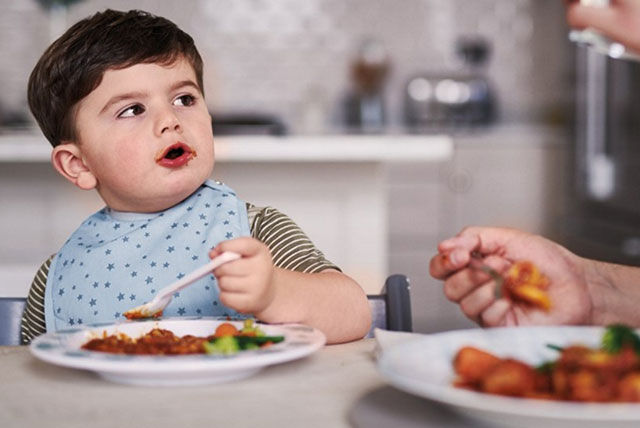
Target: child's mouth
<point x="175" y="155"/>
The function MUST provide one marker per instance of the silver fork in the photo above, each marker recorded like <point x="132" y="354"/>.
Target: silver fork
<point x="477" y="262"/>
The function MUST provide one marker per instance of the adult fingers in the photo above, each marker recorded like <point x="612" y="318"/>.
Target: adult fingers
<point x="605" y="19"/>
<point x="477" y="301"/>
<point x="453" y="254"/>
<point x="465" y="240"/>
<point x="463" y="282"/>
<point x="444" y="264"/>
<point x="460" y="284"/>
<point x="495" y="314"/>
<point x="485" y="240"/>
<point x="491" y="240"/>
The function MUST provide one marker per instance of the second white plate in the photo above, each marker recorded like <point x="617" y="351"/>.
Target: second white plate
<point x="423" y="367"/>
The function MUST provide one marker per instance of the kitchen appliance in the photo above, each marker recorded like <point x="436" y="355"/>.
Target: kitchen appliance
<point x="247" y="123"/>
<point x="455" y="99"/>
<point x="364" y="105"/>
<point x="605" y="209"/>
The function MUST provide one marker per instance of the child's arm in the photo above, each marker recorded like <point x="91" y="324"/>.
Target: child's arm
<point x="329" y="301"/>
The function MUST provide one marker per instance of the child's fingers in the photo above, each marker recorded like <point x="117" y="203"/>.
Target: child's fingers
<point x="240" y="302"/>
<point x="231" y="284"/>
<point x="244" y="246"/>
<point x="235" y="269"/>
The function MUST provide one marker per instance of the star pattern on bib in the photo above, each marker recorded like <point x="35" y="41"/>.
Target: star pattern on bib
<point x="136" y="257"/>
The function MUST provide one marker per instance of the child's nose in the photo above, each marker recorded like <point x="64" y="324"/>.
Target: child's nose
<point x="167" y="121"/>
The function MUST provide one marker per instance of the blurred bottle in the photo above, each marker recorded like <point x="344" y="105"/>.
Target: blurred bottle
<point x="364" y="104"/>
<point x="456" y="99"/>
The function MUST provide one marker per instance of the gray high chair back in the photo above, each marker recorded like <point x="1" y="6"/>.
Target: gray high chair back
<point x="391" y="309"/>
<point x="11" y="309"/>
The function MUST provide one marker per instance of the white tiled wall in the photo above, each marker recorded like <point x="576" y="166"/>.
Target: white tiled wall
<point x="291" y="57"/>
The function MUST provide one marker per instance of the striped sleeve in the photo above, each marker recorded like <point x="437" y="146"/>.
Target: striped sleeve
<point x="33" y="322"/>
<point x="290" y="247"/>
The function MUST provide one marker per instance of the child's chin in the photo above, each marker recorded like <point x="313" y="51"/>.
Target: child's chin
<point x="183" y="187"/>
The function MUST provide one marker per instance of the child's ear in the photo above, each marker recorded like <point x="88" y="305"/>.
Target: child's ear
<point x="67" y="160"/>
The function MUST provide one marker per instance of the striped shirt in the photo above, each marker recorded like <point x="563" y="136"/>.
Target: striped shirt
<point x="289" y="246"/>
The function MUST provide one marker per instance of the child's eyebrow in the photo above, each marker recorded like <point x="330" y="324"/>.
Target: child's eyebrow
<point x="118" y="98"/>
<point x="184" y="83"/>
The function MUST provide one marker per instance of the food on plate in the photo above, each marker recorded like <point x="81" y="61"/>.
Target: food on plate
<point x="226" y="329"/>
<point x="226" y="340"/>
<point x="524" y="282"/>
<point x="155" y="342"/>
<point x="472" y="363"/>
<point x="610" y="373"/>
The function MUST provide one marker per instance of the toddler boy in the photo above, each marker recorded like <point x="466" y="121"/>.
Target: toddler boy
<point x="120" y="98"/>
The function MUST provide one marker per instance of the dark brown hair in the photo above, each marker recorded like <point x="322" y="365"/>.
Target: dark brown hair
<point x="74" y="64"/>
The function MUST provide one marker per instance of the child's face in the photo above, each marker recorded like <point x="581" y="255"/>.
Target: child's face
<point x="145" y="134"/>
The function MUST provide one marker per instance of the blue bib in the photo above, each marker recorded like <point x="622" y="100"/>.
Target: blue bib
<point x="115" y="261"/>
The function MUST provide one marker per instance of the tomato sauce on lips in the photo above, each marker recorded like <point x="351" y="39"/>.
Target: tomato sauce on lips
<point x="175" y="155"/>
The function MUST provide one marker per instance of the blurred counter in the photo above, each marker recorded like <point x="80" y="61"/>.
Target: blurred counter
<point x="334" y="148"/>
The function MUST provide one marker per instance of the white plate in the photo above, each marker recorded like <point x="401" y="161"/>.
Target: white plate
<point x="423" y="367"/>
<point x="63" y="348"/>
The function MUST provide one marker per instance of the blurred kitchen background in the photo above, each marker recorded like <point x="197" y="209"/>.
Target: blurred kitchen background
<point x="293" y="58"/>
<point x="495" y="78"/>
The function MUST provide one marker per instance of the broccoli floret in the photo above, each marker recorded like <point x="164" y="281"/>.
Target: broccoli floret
<point x="250" y="329"/>
<point x="617" y="336"/>
<point x="248" y="342"/>
<point x="225" y="345"/>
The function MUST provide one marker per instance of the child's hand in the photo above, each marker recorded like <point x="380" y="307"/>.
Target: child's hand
<point x="246" y="284"/>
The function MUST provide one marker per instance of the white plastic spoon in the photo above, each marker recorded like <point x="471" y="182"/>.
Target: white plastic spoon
<point x="164" y="296"/>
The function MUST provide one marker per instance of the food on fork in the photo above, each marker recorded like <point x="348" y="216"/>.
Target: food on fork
<point x="525" y="283"/>
<point x="137" y="314"/>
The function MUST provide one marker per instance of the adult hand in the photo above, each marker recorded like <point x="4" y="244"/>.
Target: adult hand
<point x="474" y="290"/>
<point x="246" y="284"/>
<point x="619" y="21"/>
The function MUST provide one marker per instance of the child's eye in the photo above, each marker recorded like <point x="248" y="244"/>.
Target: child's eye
<point x="131" y="111"/>
<point x="185" y="100"/>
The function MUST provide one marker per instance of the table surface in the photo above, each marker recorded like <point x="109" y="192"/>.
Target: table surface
<point x="338" y="386"/>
